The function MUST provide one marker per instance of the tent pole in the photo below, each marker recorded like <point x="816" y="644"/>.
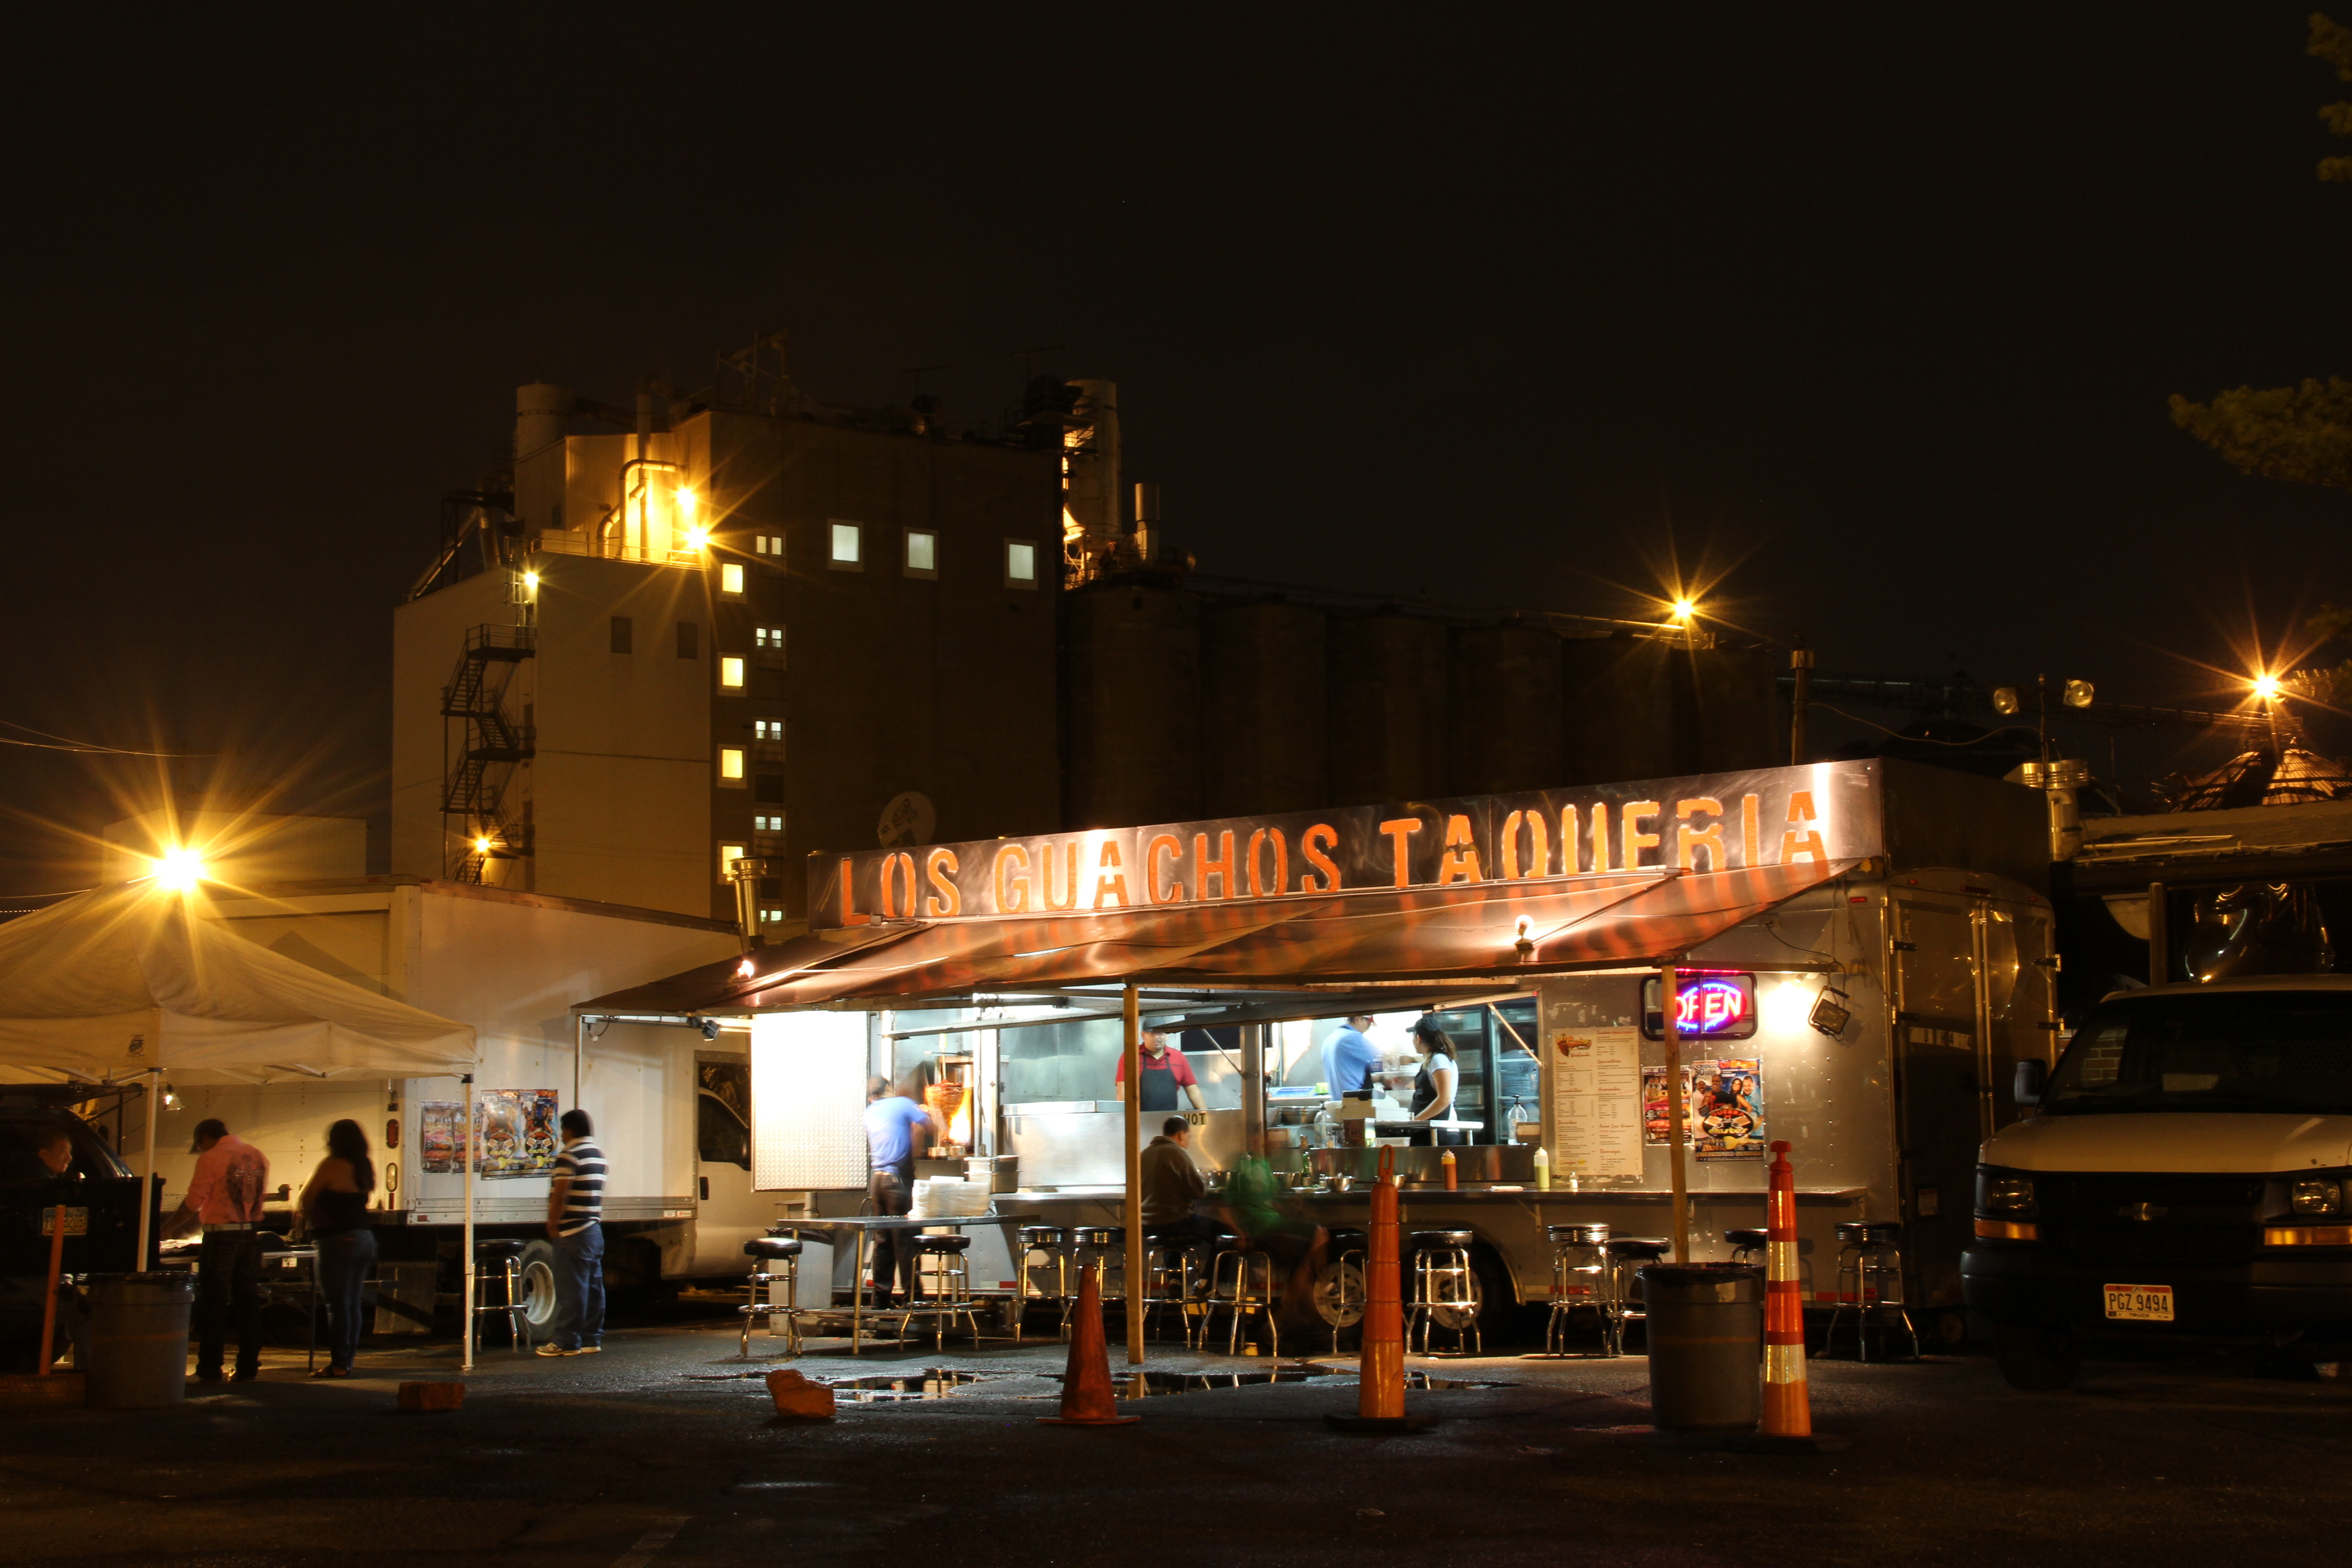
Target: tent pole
<point x="468" y="1363"/>
<point x="1130" y="1011"/>
<point x="1677" y="1104"/>
<point x="147" y="1198"/>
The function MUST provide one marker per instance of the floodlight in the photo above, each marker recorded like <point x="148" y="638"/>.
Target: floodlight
<point x="2079" y="693"/>
<point x="2004" y="701"/>
<point x="179" y="869"/>
<point x="2267" y="688"/>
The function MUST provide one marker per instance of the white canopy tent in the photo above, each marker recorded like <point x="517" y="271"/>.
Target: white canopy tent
<point x="130" y="980"/>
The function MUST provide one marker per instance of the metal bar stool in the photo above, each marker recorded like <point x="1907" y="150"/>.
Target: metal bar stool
<point x="943" y="1283"/>
<point x="1626" y="1255"/>
<point x="1870" y="1284"/>
<point x="1444" y="1291"/>
<point x="1340" y="1290"/>
<point x="1582" y="1280"/>
<point x="1241" y="1282"/>
<point x="1175" y="1275"/>
<point x="1092" y="1245"/>
<point x="1747" y="1246"/>
<point x="499" y="1263"/>
<point x="1054" y="1241"/>
<point x="776" y="1260"/>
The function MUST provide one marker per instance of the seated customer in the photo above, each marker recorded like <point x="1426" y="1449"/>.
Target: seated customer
<point x="1173" y="1183"/>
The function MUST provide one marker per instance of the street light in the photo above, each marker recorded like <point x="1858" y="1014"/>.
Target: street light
<point x="179" y="869"/>
<point x="2268" y="687"/>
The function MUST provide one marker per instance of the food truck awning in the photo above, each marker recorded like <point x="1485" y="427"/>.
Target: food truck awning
<point x="1466" y="929"/>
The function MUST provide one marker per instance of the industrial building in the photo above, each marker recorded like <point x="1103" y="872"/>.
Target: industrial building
<point x="681" y="646"/>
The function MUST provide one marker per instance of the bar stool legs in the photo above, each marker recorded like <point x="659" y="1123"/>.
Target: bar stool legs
<point x="500" y="1264"/>
<point x="1870" y="1284"/>
<point x="1582" y="1281"/>
<point x="1247" y="1286"/>
<point x="776" y="1260"/>
<point x="1445" y="1292"/>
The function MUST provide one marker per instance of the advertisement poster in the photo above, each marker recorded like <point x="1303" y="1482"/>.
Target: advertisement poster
<point x="1596" y="1089"/>
<point x="1655" y="1127"/>
<point x="440" y="1136"/>
<point x="516" y="1132"/>
<point x="1728" y="1107"/>
<point x="541" y="1140"/>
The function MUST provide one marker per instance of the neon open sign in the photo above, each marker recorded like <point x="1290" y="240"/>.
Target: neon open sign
<point x="1707" y="1006"/>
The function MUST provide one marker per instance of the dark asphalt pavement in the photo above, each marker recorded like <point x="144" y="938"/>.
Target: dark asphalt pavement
<point x="656" y="1455"/>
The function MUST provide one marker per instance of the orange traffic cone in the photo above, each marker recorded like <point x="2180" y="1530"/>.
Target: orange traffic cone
<point x="1380" y="1386"/>
<point x="1788" y="1425"/>
<point x="1087" y="1398"/>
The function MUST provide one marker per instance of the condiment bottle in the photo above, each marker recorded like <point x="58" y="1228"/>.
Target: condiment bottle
<point x="1543" y="1169"/>
<point x="1447" y="1160"/>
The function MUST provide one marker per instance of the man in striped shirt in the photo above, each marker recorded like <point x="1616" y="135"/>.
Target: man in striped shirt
<point x="575" y="1207"/>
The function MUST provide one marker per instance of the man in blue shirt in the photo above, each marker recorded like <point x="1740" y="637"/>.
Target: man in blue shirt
<point x="893" y="1124"/>
<point x="1347" y="1056"/>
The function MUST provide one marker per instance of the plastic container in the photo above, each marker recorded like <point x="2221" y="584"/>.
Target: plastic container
<point x="1543" y="1169"/>
<point x="139" y="1340"/>
<point x="1447" y="1161"/>
<point x="1706" y="1332"/>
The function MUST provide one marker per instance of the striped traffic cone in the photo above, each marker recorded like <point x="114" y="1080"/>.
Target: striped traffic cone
<point x="1787" y="1404"/>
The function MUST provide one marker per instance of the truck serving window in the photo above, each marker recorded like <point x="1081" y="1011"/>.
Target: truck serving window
<point x="2280" y="1051"/>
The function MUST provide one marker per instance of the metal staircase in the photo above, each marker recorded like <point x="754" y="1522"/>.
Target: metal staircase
<point x="481" y="748"/>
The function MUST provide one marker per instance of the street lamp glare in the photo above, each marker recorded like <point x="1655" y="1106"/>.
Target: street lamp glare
<point x="2267" y="688"/>
<point x="1686" y="608"/>
<point x="179" y="869"/>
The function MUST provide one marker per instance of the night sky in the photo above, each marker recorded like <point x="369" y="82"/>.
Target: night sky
<point x="1874" y="310"/>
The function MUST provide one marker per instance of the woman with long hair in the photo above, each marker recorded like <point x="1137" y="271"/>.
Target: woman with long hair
<point x="334" y="1206"/>
<point x="1434" y="1084"/>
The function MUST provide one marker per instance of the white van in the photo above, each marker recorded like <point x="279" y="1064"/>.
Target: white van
<point x="2186" y="1179"/>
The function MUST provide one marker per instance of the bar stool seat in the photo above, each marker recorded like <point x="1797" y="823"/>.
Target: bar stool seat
<point x="942" y="1242"/>
<point x="499" y="1263"/>
<point x="775" y="1259"/>
<point x="1445" y="1290"/>
<point x="1745" y="1244"/>
<point x="1580" y="1282"/>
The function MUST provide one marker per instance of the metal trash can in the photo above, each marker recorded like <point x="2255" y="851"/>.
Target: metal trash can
<point x="1706" y="1332"/>
<point x="139" y="1340"/>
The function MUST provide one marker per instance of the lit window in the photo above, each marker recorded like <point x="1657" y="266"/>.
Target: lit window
<point x="1020" y="564"/>
<point x="771" y="916"/>
<point x="731" y="672"/>
<point x="768" y="636"/>
<point x="728" y="855"/>
<point x="767" y="824"/>
<point x="768" y="544"/>
<point x="730" y="765"/>
<point x="768" y="730"/>
<point x="849" y="546"/>
<point x="730" y="578"/>
<point x="923" y="553"/>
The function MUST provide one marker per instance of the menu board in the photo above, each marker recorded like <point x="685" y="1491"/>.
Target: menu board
<point x="1596" y="1099"/>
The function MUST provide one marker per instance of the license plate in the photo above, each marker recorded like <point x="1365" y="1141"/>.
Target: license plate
<point x="2140" y="1303"/>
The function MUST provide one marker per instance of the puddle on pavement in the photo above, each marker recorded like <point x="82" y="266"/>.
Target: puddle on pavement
<point x="885" y="1388"/>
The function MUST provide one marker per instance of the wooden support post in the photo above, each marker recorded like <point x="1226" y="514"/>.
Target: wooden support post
<point x="1677" y="1106"/>
<point x="1131" y="1017"/>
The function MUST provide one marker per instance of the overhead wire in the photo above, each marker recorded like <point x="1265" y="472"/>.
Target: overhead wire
<point x="49" y="742"/>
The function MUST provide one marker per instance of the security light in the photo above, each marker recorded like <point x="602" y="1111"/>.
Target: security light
<point x="2267" y="688"/>
<point x="2078" y="694"/>
<point x="179" y="869"/>
<point x="2004" y="701"/>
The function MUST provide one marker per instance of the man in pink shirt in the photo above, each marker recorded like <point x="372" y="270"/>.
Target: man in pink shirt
<point x="224" y="1196"/>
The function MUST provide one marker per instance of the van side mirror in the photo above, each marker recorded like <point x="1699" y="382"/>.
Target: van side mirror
<point x="2032" y="1078"/>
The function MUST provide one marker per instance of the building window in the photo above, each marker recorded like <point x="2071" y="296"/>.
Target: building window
<point x="731" y="766"/>
<point x="728" y="855"/>
<point x="730" y="673"/>
<point x="768" y="544"/>
<point x="689" y="640"/>
<point x="770" y="916"/>
<point x="623" y="634"/>
<point x="848" y="551"/>
<point x="730" y="579"/>
<point x="1020" y="564"/>
<point x="768" y="731"/>
<point x="923" y="553"/>
<point x="768" y="789"/>
<point x="769" y="637"/>
<point x="768" y="824"/>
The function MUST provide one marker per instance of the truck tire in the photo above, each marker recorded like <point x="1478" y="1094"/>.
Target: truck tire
<point x="2036" y="1360"/>
<point x="539" y="1291"/>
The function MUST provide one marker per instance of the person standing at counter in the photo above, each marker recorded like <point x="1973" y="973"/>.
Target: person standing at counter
<point x="1164" y="1070"/>
<point x="892" y="1122"/>
<point x="1434" y="1085"/>
<point x="1348" y="1057"/>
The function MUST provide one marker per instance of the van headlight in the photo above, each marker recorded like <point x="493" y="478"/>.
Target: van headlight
<point x="2004" y="1192"/>
<point x="2312" y="1194"/>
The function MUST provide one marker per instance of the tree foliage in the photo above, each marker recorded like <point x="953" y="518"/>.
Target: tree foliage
<point x="2301" y="432"/>
<point x="2332" y="41"/>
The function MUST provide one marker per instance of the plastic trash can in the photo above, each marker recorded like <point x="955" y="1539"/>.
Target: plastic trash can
<point x="1705" y="1333"/>
<point x="139" y="1340"/>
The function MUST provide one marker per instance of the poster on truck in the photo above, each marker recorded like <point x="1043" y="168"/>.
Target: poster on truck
<point x="1728" y="1109"/>
<point x="441" y="1136"/>
<point x="515" y="1130"/>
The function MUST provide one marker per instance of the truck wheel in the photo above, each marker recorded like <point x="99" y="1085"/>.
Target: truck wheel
<point x="539" y="1291"/>
<point x="1340" y="1294"/>
<point x="2036" y="1360"/>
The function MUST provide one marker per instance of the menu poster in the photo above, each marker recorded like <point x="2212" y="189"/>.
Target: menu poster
<point x="440" y="1136"/>
<point x="1596" y="1086"/>
<point x="1728" y="1105"/>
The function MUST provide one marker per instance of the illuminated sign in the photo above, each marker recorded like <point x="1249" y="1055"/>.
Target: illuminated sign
<point x="1707" y="1007"/>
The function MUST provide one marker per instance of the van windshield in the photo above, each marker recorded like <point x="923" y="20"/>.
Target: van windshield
<point x="2283" y="1051"/>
